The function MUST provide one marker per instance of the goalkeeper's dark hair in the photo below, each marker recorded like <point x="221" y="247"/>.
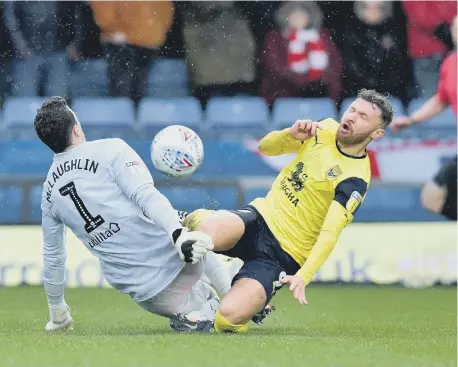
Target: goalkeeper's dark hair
<point x="54" y="122"/>
<point x="381" y="101"/>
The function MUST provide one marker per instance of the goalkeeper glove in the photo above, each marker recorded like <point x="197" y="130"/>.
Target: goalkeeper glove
<point x="59" y="318"/>
<point x="191" y="246"/>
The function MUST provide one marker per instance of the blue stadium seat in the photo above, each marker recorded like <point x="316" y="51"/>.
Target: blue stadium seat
<point x="19" y="115"/>
<point x="11" y="205"/>
<point x="155" y="114"/>
<point x="89" y="78"/>
<point x="287" y="110"/>
<point x="225" y="115"/>
<point x="168" y="78"/>
<point x="24" y="158"/>
<point x="106" y="117"/>
<point x="396" y="103"/>
<point x="35" y="204"/>
<point x="442" y="126"/>
<point x="191" y="198"/>
<point x="393" y="204"/>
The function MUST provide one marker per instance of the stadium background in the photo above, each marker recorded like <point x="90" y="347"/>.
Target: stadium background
<point x="218" y="71"/>
<point x="230" y="113"/>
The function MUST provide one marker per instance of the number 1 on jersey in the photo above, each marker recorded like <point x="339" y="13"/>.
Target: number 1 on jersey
<point x="91" y="222"/>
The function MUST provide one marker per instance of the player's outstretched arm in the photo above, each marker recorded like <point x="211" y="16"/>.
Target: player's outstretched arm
<point x="432" y="107"/>
<point x="288" y="140"/>
<point x="136" y="182"/>
<point x="348" y="197"/>
<point x="54" y="257"/>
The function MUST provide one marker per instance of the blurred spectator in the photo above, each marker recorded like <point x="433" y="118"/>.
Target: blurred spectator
<point x="299" y="59"/>
<point x="6" y="55"/>
<point x="41" y="32"/>
<point x="86" y="43"/>
<point x="220" y="48"/>
<point x="373" y="53"/>
<point x="439" y="195"/>
<point x="131" y="32"/>
<point x="428" y="25"/>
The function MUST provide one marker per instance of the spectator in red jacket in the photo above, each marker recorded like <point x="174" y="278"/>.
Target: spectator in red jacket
<point x="299" y="59"/>
<point x="439" y="194"/>
<point x="427" y="21"/>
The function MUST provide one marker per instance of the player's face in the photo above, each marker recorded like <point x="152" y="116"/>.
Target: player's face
<point x="362" y="121"/>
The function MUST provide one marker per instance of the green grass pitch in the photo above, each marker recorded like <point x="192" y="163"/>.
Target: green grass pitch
<point x="343" y="326"/>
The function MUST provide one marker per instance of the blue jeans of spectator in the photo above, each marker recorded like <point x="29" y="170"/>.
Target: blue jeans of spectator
<point x="48" y="73"/>
<point x="426" y="73"/>
<point x="6" y="67"/>
<point x="128" y="70"/>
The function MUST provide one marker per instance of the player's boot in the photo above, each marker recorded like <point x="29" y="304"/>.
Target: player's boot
<point x="197" y="321"/>
<point x="193" y="220"/>
<point x="183" y="324"/>
<point x="261" y="316"/>
<point x="182" y="216"/>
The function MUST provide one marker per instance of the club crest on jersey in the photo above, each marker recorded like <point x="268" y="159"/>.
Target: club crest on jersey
<point x="354" y="201"/>
<point x="333" y="172"/>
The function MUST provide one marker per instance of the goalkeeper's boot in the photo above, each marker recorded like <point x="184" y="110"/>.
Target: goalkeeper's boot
<point x="197" y="321"/>
<point x="184" y="324"/>
<point x="60" y="319"/>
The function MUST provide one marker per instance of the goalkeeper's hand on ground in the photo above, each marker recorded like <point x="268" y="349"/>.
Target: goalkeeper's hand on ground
<point x="192" y="246"/>
<point x="59" y="318"/>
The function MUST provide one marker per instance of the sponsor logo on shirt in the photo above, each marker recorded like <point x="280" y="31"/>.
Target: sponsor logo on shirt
<point x="102" y="236"/>
<point x="136" y="167"/>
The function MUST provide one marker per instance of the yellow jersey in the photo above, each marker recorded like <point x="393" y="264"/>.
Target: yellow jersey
<point x="314" y="197"/>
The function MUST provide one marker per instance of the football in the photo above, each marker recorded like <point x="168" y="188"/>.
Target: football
<point x="177" y="151"/>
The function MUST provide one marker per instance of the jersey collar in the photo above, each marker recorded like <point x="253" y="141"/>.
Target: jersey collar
<point x="348" y="155"/>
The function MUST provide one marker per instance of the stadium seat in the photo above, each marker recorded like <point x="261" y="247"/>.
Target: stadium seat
<point x="89" y="78"/>
<point x="11" y="204"/>
<point x="287" y="110"/>
<point x="394" y="204"/>
<point x="24" y="158"/>
<point x="106" y="117"/>
<point x="155" y="114"/>
<point x="191" y="198"/>
<point x="442" y="126"/>
<point x="35" y="204"/>
<point x="396" y="103"/>
<point x="168" y="78"/>
<point x="19" y="115"/>
<point x="237" y="115"/>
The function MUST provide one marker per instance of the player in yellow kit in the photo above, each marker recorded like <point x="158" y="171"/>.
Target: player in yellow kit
<point x="295" y="227"/>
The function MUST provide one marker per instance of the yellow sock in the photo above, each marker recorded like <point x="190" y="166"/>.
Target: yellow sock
<point x="193" y="220"/>
<point x="224" y="326"/>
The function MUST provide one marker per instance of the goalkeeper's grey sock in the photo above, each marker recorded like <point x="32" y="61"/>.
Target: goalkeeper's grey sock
<point x="217" y="273"/>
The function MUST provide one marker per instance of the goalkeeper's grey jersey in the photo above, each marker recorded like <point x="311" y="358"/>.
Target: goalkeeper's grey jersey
<point x="105" y="194"/>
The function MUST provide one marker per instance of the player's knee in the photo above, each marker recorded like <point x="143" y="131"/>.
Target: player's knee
<point x="433" y="197"/>
<point x="225" y="228"/>
<point x="233" y="313"/>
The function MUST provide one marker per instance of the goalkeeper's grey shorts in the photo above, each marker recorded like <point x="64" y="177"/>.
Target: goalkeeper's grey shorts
<point x="185" y="294"/>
